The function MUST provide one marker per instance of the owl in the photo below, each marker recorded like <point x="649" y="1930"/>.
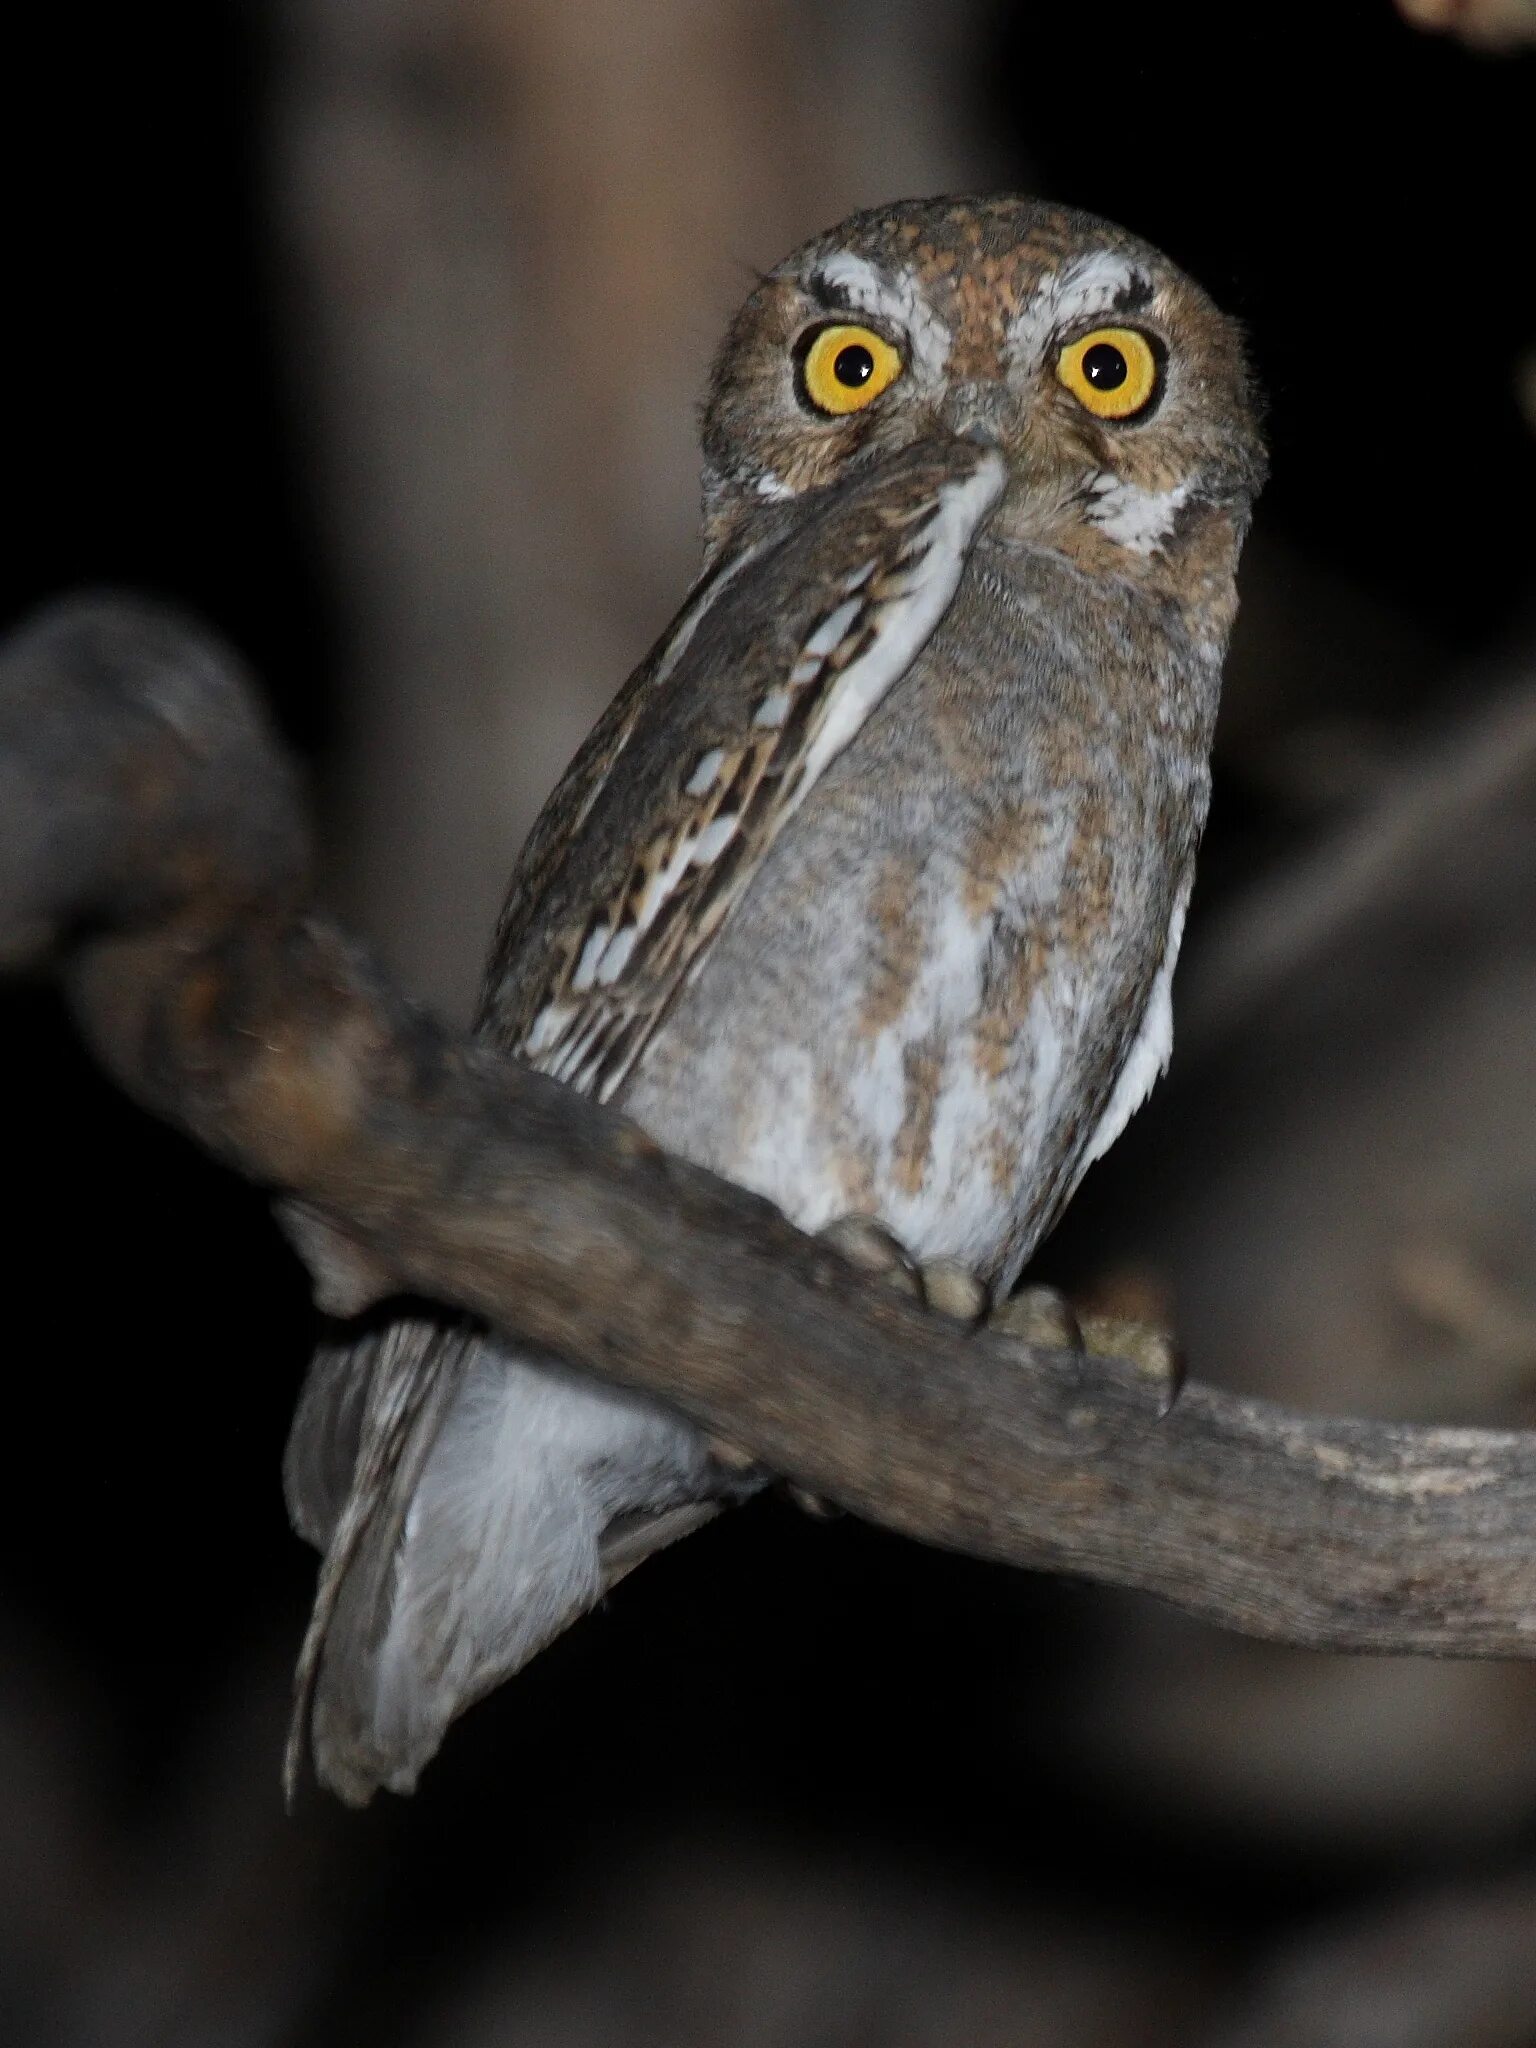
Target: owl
<point x="866" y="891"/>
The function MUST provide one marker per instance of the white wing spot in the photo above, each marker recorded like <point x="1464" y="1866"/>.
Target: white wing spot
<point x="591" y="952"/>
<point x="705" y="771"/>
<point x="773" y="710"/>
<point x="907" y="622"/>
<point x="662" y="883"/>
<point x="831" y="630"/>
<point x="713" y="840"/>
<point x="548" y="1026"/>
<point x="616" y="956"/>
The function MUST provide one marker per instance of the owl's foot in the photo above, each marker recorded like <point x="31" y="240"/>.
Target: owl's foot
<point x="1039" y="1315"/>
<point x="944" y="1285"/>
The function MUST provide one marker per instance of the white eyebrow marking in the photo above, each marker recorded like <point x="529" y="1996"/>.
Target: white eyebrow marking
<point x="894" y="299"/>
<point x="1093" y="284"/>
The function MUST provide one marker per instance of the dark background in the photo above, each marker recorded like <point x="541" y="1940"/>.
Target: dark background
<point x="798" y="1782"/>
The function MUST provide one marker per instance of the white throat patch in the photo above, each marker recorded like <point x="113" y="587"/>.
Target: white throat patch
<point x="1138" y="519"/>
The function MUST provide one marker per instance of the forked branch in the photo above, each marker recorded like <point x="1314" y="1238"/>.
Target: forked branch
<point x="153" y="851"/>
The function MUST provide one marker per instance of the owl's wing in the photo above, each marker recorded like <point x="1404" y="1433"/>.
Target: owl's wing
<point x="778" y="657"/>
<point x="658" y="832"/>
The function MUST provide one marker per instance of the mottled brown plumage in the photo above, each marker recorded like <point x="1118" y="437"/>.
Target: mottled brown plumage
<point x="866" y="892"/>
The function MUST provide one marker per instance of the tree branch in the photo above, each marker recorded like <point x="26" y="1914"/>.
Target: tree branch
<point x="153" y="850"/>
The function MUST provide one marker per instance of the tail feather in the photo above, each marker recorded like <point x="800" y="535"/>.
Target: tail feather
<point x="492" y="1498"/>
<point x="360" y="1442"/>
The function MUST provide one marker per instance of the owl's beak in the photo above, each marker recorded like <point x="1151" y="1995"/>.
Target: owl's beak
<point x="970" y="410"/>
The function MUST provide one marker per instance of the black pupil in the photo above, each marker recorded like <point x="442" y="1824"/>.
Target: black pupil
<point x="1104" y="366"/>
<point x="853" y="365"/>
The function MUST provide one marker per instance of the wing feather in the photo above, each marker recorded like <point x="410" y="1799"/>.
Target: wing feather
<point x="778" y="677"/>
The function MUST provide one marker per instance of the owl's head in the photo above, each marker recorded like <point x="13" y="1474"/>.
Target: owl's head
<point x="1115" y="388"/>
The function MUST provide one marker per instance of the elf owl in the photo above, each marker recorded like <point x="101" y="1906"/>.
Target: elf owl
<point x="866" y="892"/>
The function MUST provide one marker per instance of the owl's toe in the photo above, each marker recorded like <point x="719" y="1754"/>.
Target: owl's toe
<point x="866" y="1243"/>
<point x="952" y="1289"/>
<point x="945" y="1285"/>
<point x="1155" y="1355"/>
<point x="733" y="1460"/>
<point x="1039" y="1315"/>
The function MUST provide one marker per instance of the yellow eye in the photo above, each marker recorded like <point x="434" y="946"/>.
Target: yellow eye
<point x="846" y="368"/>
<point x="1112" y="371"/>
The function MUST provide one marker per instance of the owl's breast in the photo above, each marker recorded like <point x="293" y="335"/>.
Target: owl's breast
<point x="921" y="1007"/>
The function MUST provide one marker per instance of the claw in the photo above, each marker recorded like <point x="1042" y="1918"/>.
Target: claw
<point x="812" y="1504"/>
<point x="1152" y="1351"/>
<point x="730" y="1457"/>
<point x="1041" y="1316"/>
